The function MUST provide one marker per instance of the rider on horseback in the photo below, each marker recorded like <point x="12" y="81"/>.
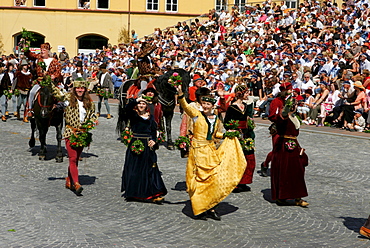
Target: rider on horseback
<point x="52" y="69"/>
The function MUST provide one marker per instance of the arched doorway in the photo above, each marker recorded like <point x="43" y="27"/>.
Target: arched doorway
<point x="35" y="45"/>
<point x="89" y="43"/>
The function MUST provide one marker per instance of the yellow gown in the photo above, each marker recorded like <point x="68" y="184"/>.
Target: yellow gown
<point x="211" y="174"/>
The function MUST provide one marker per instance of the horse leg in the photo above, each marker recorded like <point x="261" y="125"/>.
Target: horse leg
<point x="170" y="145"/>
<point x="42" y="136"/>
<point x="31" y="143"/>
<point x="59" y="157"/>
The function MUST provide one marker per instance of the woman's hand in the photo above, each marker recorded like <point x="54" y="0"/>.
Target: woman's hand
<point x="151" y="143"/>
<point x="179" y="90"/>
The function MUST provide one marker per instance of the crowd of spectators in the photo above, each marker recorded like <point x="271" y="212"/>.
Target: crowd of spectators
<point x="321" y="48"/>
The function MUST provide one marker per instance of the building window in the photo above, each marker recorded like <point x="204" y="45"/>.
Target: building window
<point x="221" y="4"/>
<point x="240" y="4"/>
<point x="152" y="5"/>
<point x="39" y="3"/>
<point x="171" y="5"/>
<point x="103" y="4"/>
<point x="291" y="4"/>
<point x="84" y="4"/>
<point x="20" y="2"/>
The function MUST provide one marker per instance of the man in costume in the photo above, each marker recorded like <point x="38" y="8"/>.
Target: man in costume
<point x="45" y="66"/>
<point x="80" y="109"/>
<point x="22" y="83"/>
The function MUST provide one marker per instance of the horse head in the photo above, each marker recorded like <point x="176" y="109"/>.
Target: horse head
<point x="44" y="103"/>
<point x="166" y="91"/>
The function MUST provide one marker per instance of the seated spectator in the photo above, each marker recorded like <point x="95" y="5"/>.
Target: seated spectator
<point x="358" y="123"/>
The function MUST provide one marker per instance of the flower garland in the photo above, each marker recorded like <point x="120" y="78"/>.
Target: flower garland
<point x="232" y="134"/>
<point x="45" y="82"/>
<point x="290" y="145"/>
<point x="175" y="79"/>
<point x="104" y="93"/>
<point x="247" y="144"/>
<point x="9" y="94"/>
<point x="137" y="147"/>
<point x="161" y="137"/>
<point x="25" y="41"/>
<point x="126" y="136"/>
<point x="232" y="124"/>
<point x="182" y="143"/>
<point x="148" y="98"/>
<point x="251" y="124"/>
<point x="83" y="138"/>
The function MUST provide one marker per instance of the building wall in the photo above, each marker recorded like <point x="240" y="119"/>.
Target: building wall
<point x="61" y="22"/>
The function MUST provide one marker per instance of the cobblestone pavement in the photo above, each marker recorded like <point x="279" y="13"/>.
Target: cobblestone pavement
<point x="37" y="211"/>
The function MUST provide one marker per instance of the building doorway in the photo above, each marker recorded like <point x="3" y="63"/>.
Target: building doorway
<point x="89" y="43"/>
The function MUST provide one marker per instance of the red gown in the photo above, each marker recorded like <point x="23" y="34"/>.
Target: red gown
<point x="287" y="165"/>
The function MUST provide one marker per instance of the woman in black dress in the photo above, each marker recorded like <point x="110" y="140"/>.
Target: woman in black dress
<point x="242" y="110"/>
<point x="141" y="179"/>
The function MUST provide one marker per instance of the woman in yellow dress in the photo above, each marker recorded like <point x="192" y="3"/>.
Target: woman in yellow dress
<point x="211" y="174"/>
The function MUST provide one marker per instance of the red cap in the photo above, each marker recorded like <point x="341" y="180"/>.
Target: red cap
<point x="196" y="77"/>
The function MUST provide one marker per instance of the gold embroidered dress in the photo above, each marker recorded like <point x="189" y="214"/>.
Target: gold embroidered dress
<point x="211" y="174"/>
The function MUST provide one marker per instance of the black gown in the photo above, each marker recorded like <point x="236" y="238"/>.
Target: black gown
<point x="141" y="177"/>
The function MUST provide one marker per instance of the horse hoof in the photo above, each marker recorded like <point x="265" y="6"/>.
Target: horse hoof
<point x="31" y="143"/>
<point x="59" y="160"/>
<point x="41" y="157"/>
<point x="170" y="147"/>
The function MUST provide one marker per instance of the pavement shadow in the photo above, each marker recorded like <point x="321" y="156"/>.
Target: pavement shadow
<point x="180" y="186"/>
<point x="267" y="195"/>
<point x="353" y="224"/>
<point x="88" y="155"/>
<point x="84" y="179"/>
<point x="50" y="154"/>
<point x="223" y="208"/>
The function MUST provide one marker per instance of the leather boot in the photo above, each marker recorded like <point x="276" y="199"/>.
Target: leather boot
<point x="109" y="116"/>
<point x="16" y="114"/>
<point x="78" y="188"/>
<point x="3" y="118"/>
<point x="25" y="119"/>
<point x="98" y="114"/>
<point x="263" y="170"/>
<point x="365" y="229"/>
<point x="6" y="113"/>
<point x="68" y="183"/>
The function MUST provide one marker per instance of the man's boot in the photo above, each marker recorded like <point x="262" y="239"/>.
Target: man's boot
<point x="109" y="116"/>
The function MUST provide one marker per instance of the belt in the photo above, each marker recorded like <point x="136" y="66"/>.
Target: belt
<point x="76" y="129"/>
<point x="289" y="137"/>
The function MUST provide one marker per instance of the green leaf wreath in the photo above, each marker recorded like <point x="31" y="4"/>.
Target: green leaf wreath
<point x="161" y="137"/>
<point x="45" y="82"/>
<point x="126" y="136"/>
<point x="42" y="65"/>
<point x="247" y="144"/>
<point x="9" y="94"/>
<point x="148" y="98"/>
<point x="83" y="137"/>
<point x="251" y="124"/>
<point x="104" y="93"/>
<point x="232" y="124"/>
<point x="182" y="142"/>
<point x="137" y="147"/>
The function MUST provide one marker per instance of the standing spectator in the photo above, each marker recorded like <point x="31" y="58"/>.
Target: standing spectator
<point x="63" y="55"/>
<point x="105" y="84"/>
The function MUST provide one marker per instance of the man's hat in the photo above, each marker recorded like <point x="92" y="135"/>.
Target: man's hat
<point x="45" y="46"/>
<point x="196" y="77"/>
<point x="80" y="82"/>
<point x="150" y="89"/>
